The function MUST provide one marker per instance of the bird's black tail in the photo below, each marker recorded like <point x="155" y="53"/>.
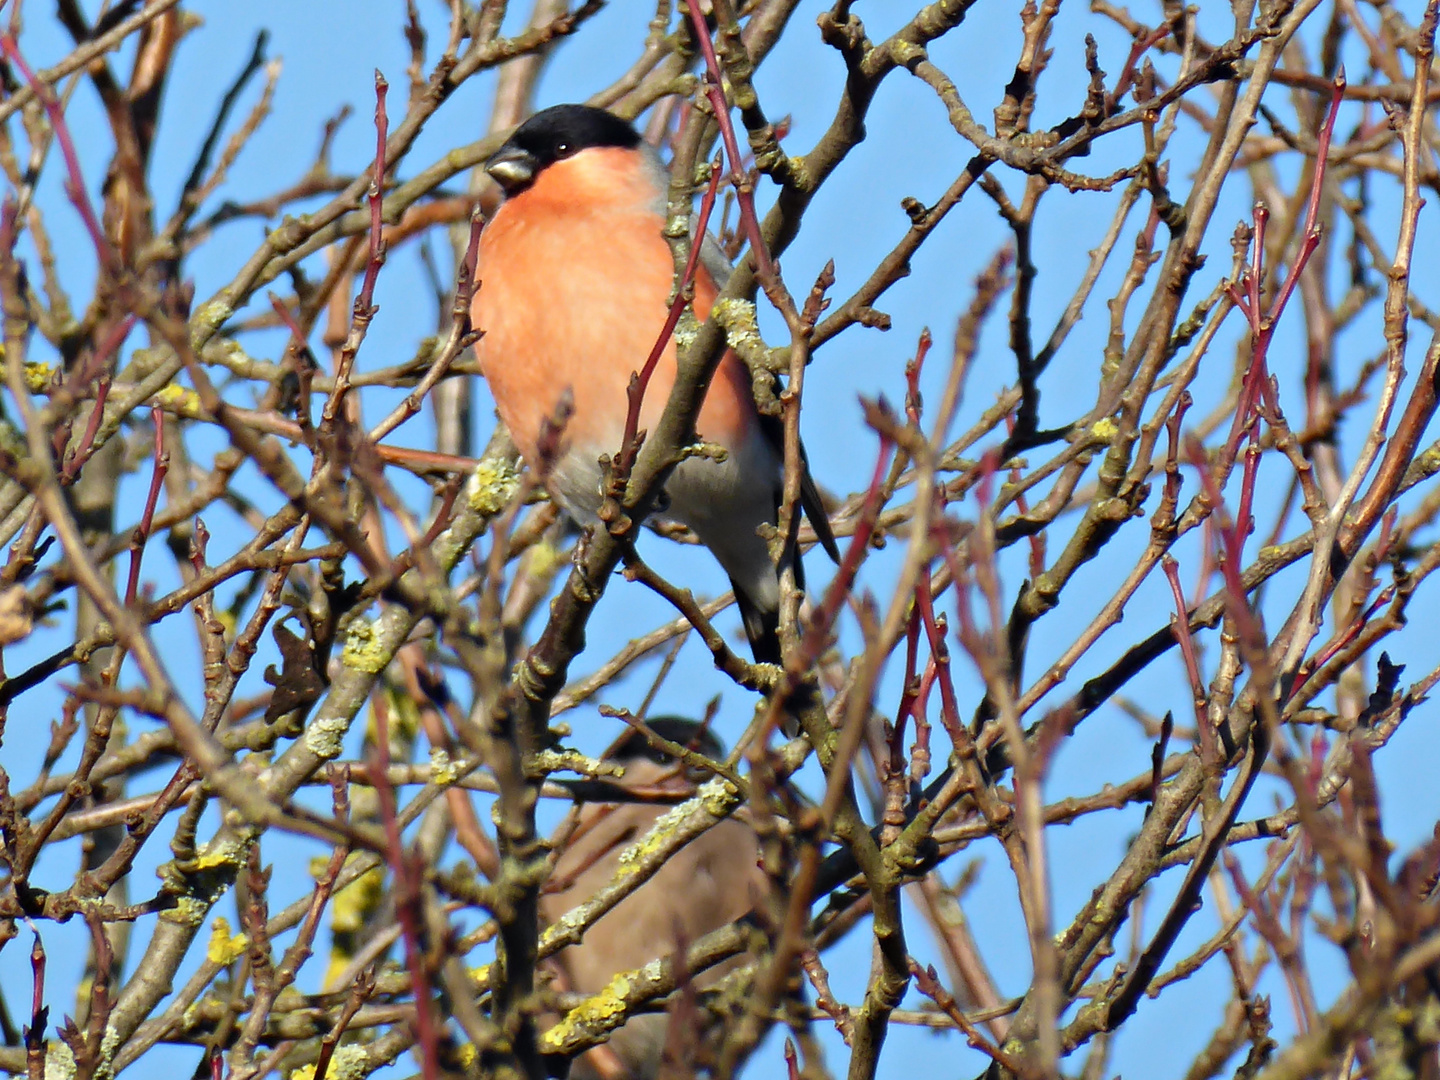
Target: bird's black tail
<point x="762" y="627"/>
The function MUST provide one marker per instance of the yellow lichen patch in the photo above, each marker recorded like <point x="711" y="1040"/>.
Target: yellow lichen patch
<point x="686" y="330"/>
<point x="648" y="844"/>
<point x="491" y="487"/>
<point x="325" y="734"/>
<point x="742" y="330"/>
<point x="718" y="796"/>
<point x="364" y="650"/>
<point x="38" y="375"/>
<point x="109" y="1043"/>
<point x="224" y="947"/>
<point x="351" y="1062"/>
<point x="59" y="1061"/>
<point x="708" y="450"/>
<point x="187" y="911"/>
<point x="606" y="1010"/>
<point x="442" y="769"/>
<point x="179" y="400"/>
<point x="571" y="761"/>
<point x="211" y="315"/>
<point x="219" y="853"/>
<point x="1104" y="429"/>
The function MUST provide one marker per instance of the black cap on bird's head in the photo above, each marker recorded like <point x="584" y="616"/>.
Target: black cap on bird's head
<point x="691" y="734"/>
<point x="551" y="135"/>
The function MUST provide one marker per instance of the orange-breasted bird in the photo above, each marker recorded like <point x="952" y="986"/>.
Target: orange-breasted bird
<point x="575" y="281"/>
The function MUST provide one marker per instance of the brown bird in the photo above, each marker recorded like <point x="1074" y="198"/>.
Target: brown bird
<point x="708" y="884"/>
<point x="575" y="277"/>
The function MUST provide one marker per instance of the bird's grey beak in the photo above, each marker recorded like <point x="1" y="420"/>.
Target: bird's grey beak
<point x="512" y="168"/>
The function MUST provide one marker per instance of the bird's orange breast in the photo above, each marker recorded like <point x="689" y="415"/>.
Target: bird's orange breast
<point x="574" y="278"/>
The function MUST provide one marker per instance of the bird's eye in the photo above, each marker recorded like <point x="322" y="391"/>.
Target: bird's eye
<point x="563" y="150"/>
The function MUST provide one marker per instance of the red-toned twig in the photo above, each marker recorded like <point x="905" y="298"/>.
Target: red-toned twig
<point x="1157" y="755"/>
<point x="1246" y="292"/>
<point x="928" y="983"/>
<point x="1232" y="546"/>
<point x="1310" y="239"/>
<point x="75" y="461"/>
<point x="364" y="309"/>
<point x="914" y="403"/>
<point x="639" y="382"/>
<point x="940" y="656"/>
<point x="359" y="994"/>
<point x="101" y="1000"/>
<point x="914" y="407"/>
<point x="142" y="531"/>
<point x="299" y="952"/>
<point x="39" y="1013"/>
<point x="376" y="196"/>
<point x="297" y="332"/>
<point x="96" y="365"/>
<point x="1138" y="48"/>
<point x="462" y="334"/>
<point x="839" y="587"/>
<point x="1180" y="625"/>
<point x="920" y="748"/>
<point x="1352" y="632"/>
<point x="407" y="889"/>
<point x="744" y="192"/>
<point x="75" y="179"/>
<point x="910" y="691"/>
<point x="824" y="997"/>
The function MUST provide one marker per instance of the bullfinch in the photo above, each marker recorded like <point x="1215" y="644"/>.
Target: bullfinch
<point x="711" y="882"/>
<point x="575" y="281"/>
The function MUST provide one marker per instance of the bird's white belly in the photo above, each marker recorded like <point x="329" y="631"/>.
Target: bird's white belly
<point x="697" y="492"/>
<point x="723" y="502"/>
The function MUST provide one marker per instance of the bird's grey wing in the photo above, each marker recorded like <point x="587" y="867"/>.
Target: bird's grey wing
<point x="712" y="258"/>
